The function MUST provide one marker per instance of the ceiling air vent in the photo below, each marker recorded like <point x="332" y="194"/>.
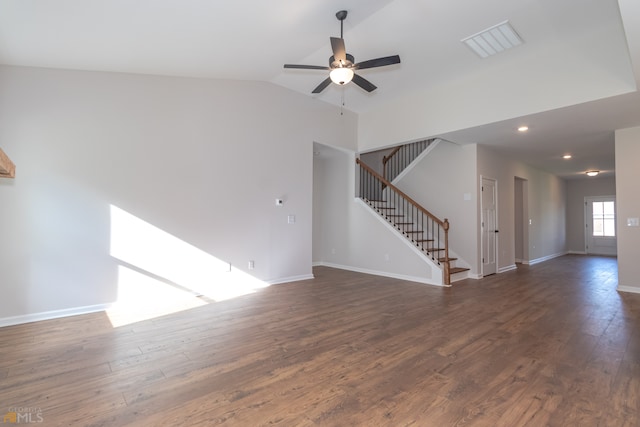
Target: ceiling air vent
<point x="493" y="40"/>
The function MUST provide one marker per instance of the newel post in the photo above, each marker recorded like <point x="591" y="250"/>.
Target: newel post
<point x="447" y="274"/>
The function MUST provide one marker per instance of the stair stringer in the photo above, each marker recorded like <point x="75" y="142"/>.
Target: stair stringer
<point x="436" y="279"/>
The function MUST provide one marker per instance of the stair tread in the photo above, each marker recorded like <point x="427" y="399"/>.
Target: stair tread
<point x="443" y="259"/>
<point x="384" y="209"/>
<point x="424" y="240"/>
<point x="455" y="270"/>
<point x="413" y="231"/>
<point x="404" y="223"/>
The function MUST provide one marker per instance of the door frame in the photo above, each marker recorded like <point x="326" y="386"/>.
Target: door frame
<point x="482" y="233"/>
<point x="587" y="221"/>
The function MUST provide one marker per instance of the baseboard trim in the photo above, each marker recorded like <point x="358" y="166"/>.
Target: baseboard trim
<point x="576" y="253"/>
<point x="630" y="289"/>
<point x="546" y="258"/>
<point x="49" y="315"/>
<point x="507" y="268"/>
<point x="379" y="273"/>
<point x="289" y="279"/>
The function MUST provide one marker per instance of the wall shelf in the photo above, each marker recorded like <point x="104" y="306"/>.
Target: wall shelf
<point x="7" y="168"/>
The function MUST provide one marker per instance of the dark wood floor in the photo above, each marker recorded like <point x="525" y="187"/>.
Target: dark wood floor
<point x="549" y="345"/>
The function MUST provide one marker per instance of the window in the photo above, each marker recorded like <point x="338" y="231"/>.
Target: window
<point x="604" y="219"/>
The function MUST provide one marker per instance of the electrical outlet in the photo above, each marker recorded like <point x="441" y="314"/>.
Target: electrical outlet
<point x="252" y="265"/>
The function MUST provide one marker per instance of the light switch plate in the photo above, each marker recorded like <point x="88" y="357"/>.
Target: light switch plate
<point x="633" y="222"/>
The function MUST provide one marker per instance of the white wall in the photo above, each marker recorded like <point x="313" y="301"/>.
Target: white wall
<point x="203" y="160"/>
<point x="546" y="207"/>
<point x="627" y="178"/>
<point x="600" y="71"/>
<point x="577" y="190"/>
<point x="348" y="235"/>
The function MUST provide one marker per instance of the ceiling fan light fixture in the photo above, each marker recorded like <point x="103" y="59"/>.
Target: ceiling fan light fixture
<point x="341" y="75"/>
<point x="592" y="173"/>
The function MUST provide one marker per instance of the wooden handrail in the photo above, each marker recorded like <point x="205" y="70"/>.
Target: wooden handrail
<point x="409" y="199"/>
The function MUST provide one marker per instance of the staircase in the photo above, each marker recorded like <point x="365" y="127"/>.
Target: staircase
<point x="419" y="226"/>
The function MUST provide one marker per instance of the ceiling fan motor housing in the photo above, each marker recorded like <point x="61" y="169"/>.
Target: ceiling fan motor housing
<point x="333" y="63"/>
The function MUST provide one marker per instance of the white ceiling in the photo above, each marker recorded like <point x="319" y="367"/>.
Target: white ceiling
<point x="252" y="39"/>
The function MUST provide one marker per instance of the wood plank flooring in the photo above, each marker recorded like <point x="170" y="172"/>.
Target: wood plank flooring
<point x="547" y="345"/>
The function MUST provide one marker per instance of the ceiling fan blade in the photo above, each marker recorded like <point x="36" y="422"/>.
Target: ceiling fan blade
<point x="322" y="85"/>
<point x="363" y="83"/>
<point x="378" y="62"/>
<point x="306" y="67"/>
<point x="339" y="52"/>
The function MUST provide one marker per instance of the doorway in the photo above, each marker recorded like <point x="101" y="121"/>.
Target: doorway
<point x="489" y="225"/>
<point x="600" y="225"/>
<point x="521" y="221"/>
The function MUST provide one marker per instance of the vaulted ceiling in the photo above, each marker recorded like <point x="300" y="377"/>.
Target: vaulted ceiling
<point x="595" y="42"/>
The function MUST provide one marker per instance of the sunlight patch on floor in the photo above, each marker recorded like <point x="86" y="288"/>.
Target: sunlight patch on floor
<point x="141" y="297"/>
<point x="162" y="274"/>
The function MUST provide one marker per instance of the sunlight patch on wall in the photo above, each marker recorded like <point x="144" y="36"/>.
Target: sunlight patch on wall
<point x="146" y="248"/>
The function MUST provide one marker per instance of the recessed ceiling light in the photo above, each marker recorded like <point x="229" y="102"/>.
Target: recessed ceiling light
<point x="523" y="128"/>
<point x="593" y="173"/>
<point x="566" y="156"/>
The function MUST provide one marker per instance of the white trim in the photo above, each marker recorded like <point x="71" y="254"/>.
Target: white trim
<point x="546" y="258"/>
<point x="631" y="289"/>
<point x="576" y="253"/>
<point x="507" y="268"/>
<point x="381" y="273"/>
<point x="289" y="279"/>
<point x="49" y="315"/>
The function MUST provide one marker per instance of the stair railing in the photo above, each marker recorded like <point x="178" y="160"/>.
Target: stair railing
<point x="401" y="156"/>
<point x="421" y="227"/>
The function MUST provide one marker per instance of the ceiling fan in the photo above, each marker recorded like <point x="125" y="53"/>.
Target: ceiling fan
<point x="342" y="66"/>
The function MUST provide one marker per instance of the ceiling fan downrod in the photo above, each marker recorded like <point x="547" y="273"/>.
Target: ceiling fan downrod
<point x="341" y="15"/>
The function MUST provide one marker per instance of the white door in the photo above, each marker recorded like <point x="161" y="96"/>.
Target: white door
<point x="489" y="226"/>
<point x="600" y="225"/>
